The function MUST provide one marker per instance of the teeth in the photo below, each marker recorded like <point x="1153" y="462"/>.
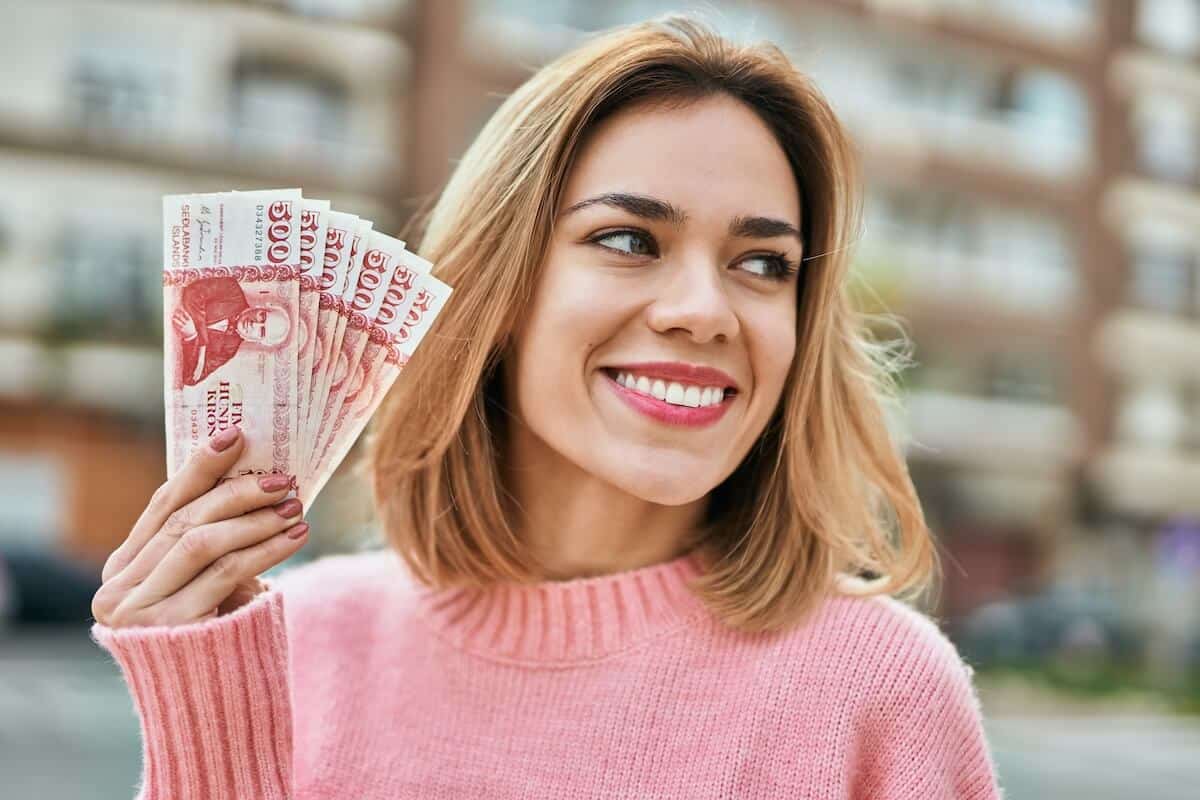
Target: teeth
<point x="673" y="392"/>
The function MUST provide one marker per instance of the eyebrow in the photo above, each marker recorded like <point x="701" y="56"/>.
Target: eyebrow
<point x="661" y="211"/>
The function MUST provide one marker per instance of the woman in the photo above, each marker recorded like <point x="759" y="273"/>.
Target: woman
<point x="645" y="515"/>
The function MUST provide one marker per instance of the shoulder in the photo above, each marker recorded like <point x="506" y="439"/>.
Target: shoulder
<point x="908" y="675"/>
<point x="918" y="719"/>
<point x="867" y="651"/>
<point x="890" y="648"/>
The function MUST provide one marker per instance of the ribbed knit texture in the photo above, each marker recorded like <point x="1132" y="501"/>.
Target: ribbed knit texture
<point x="347" y="680"/>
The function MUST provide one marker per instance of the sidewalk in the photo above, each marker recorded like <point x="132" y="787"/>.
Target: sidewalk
<point x="1098" y="758"/>
<point x="1066" y="746"/>
<point x="67" y="725"/>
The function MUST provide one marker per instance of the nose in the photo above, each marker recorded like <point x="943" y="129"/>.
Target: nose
<point x="693" y="299"/>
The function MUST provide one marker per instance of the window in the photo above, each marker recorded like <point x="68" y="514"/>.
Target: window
<point x="1166" y="134"/>
<point x="1172" y="26"/>
<point x="286" y="109"/>
<point x="1161" y="278"/>
<point x="108" y="284"/>
<point x="116" y="89"/>
<point x="1153" y="416"/>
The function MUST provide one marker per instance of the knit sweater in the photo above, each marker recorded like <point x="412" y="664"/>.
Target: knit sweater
<point x="349" y="680"/>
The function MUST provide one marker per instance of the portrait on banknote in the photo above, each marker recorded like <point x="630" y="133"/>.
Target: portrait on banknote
<point x="214" y="318"/>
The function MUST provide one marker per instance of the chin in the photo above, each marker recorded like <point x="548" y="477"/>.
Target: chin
<point x="658" y="484"/>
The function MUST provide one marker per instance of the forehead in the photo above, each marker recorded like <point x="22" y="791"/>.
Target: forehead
<point x="712" y="157"/>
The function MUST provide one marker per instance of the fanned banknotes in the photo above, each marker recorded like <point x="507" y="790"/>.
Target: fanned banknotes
<point x="288" y="319"/>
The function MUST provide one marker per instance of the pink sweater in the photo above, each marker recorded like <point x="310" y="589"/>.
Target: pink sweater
<point x="348" y="680"/>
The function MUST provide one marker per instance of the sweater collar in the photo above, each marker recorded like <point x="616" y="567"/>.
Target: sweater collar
<point x="563" y="622"/>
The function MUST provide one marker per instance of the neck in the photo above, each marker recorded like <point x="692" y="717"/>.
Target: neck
<point x="579" y="526"/>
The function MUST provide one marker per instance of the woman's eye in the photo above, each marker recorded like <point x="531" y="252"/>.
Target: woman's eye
<point x="768" y="266"/>
<point x="631" y="242"/>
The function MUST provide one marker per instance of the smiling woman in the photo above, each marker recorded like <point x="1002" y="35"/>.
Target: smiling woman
<point x="651" y="272"/>
<point x="659" y="196"/>
<point x="648" y="527"/>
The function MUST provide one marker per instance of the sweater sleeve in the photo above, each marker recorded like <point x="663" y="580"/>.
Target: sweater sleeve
<point x="926" y="736"/>
<point x="213" y="701"/>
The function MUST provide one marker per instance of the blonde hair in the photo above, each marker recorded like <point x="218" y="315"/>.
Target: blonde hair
<point x="823" y="502"/>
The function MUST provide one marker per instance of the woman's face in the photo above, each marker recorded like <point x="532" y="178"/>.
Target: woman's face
<point x="671" y="271"/>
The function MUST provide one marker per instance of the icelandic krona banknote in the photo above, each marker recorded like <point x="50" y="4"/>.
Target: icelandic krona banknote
<point x="288" y="319"/>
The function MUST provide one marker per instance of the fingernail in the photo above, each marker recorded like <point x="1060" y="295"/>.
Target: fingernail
<point x="274" y="482"/>
<point x="225" y="439"/>
<point x="297" y="530"/>
<point x="289" y="508"/>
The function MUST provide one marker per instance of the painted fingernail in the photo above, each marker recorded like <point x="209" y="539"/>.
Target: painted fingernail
<point x="298" y="530"/>
<point x="225" y="439"/>
<point x="288" y="508"/>
<point x="274" y="482"/>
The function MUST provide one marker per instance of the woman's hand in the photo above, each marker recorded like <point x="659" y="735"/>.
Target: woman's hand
<point x="198" y="548"/>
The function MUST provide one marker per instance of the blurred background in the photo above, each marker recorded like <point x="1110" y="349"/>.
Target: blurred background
<point x="1033" y="220"/>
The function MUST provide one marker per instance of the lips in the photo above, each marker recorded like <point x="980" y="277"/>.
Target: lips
<point x="668" y="413"/>
<point x="696" y="374"/>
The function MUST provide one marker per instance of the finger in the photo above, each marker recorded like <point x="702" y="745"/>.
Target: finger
<point x="197" y="599"/>
<point x="243" y="593"/>
<point x="229" y="500"/>
<point x="207" y="463"/>
<point x="200" y="547"/>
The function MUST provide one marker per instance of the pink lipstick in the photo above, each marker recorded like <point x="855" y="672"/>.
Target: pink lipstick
<point x="669" y="413"/>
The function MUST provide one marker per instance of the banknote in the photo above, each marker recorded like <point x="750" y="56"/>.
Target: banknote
<point x="412" y="303"/>
<point x="288" y="319"/>
<point x="382" y="255"/>
<point x="314" y="227"/>
<point x="339" y="238"/>
<point x="231" y="288"/>
<point x="332" y="363"/>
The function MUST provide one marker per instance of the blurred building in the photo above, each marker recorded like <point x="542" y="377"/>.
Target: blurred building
<point x="106" y="107"/>
<point x="1034" y="192"/>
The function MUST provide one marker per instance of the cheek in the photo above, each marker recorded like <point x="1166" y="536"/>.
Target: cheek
<point x="573" y="312"/>
<point x="772" y="343"/>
